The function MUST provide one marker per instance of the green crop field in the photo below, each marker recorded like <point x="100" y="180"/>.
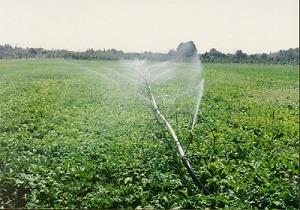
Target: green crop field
<point x="75" y="135"/>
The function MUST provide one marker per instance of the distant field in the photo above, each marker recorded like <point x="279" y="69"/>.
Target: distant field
<point x="72" y="135"/>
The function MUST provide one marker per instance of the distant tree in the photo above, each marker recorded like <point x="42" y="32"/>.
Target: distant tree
<point x="240" y="56"/>
<point x="171" y="53"/>
<point x="32" y="51"/>
<point x="185" y="51"/>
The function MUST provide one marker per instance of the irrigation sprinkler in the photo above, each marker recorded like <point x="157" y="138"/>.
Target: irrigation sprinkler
<point x="199" y="96"/>
<point x="161" y="118"/>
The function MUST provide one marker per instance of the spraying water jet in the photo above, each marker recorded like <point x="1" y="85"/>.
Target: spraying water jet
<point x="198" y="100"/>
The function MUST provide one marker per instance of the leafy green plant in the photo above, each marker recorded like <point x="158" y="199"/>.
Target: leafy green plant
<point x="70" y="138"/>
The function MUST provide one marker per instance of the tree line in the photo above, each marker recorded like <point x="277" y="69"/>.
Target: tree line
<point x="290" y="56"/>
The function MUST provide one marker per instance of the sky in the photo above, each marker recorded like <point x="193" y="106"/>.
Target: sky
<point x="255" y="26"/>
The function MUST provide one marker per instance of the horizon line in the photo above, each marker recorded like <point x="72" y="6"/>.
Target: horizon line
<point x="145" y="51"/>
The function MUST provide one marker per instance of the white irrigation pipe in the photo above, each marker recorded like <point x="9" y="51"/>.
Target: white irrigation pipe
<point x="168" y="126"/>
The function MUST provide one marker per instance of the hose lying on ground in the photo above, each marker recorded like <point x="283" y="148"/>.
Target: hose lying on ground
<point x="168" y="126"/>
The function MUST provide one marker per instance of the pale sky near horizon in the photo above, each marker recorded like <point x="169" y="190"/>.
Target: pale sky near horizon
<point x="254" y="26"/>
